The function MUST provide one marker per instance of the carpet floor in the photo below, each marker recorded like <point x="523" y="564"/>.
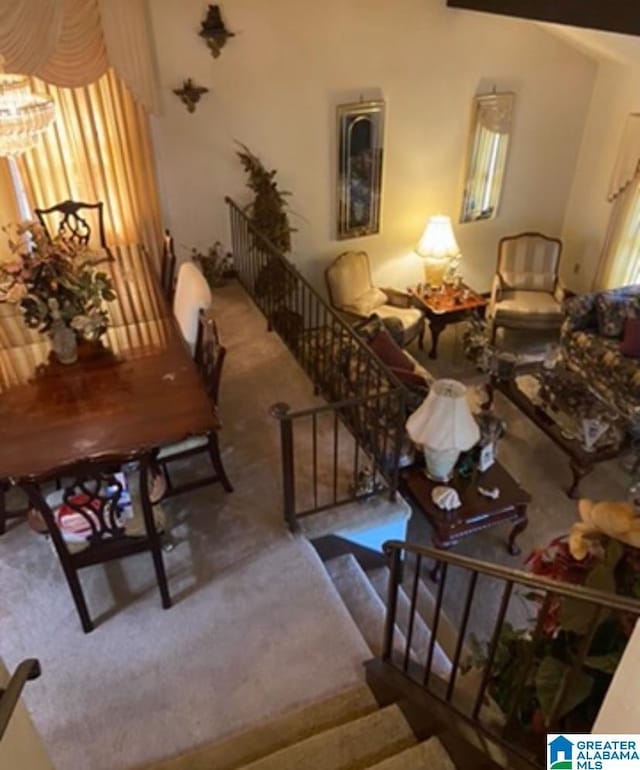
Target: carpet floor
<point x="256" y="628"/>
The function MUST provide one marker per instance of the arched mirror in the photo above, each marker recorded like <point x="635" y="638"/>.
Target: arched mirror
<point x="487" y="155"/>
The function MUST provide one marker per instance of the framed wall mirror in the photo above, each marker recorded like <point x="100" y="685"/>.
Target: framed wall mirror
<point x="360" y="137"/>
<point x="491" y="120"/>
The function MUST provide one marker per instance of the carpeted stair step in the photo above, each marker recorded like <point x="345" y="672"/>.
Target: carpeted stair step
<point x="365" y="606"/>
<point x="356" y="744"/>
<point x="276" y="734"/>
<point x="429" y="755"/>
<point x="421" y="634"/>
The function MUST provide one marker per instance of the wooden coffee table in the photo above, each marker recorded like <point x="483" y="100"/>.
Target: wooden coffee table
<point x="449" y="306"/>
<point x="476" y="512"/>
<point x="581" y="460"/>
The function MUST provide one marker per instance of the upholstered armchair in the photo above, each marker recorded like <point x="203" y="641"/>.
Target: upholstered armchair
<point x="526" y="291"/>
<point x="353" y="295"/>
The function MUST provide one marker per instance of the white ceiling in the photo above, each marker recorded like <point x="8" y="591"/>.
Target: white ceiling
<point x="599" y="45"/>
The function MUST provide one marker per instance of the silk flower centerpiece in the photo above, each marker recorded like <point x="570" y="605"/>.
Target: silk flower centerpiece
<point x="444" y="425"/>
<point x="57" y="286"/>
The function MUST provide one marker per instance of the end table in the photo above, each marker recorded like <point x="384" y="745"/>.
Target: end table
<point x="476" y="512"/>
<point x="447" y="306"/>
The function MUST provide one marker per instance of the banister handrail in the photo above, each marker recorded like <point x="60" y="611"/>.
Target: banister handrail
<point x="298" y="275"/>
<point x="469" y="704"/>
<point x="27" y="670"/>
<point x="569" y="590"/>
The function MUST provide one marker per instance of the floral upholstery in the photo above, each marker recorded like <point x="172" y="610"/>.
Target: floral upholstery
<point x="591" y="340"/>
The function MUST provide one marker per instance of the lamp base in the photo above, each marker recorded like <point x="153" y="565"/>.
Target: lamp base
<point x="435" y="271"/>
<point x="440" y="463"/>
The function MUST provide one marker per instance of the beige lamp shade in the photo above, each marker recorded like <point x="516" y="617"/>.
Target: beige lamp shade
<point x="437" y="247"/>
<point x="438" y="240"/>
<point x="444" y="425"/>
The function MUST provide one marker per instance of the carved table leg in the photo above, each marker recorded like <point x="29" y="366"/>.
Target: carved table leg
<point x="578" y="472"/>
<point x="522" y="522"/>
<point x="436" y="325"/>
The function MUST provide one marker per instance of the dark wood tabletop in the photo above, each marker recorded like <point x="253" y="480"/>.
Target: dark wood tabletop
<point x="136" y="389"/>
<point x="449" y="300"/>
<point x="476" y="511"/>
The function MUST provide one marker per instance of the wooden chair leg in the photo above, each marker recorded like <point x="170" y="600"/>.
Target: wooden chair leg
<point x="78" y="596"/>
<point x="161" y="575"/>
<point x="216" y="460"/>
<point x="3" y="510"/>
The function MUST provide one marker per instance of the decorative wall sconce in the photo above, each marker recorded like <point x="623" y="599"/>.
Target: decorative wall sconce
<point x="190" y="94"/>
<point x="214" y="32"/>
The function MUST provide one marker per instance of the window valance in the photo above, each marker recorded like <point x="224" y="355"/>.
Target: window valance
<point x="627" y="162"/>
<point x="72" y="43"/>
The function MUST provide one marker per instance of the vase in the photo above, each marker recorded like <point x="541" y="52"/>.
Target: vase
<point x="64" y="343"/>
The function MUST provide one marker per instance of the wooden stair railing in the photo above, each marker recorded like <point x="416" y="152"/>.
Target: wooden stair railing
<point x="27" y="670"/>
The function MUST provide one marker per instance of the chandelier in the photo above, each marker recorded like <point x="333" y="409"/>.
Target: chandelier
<point x="23" y="114"/>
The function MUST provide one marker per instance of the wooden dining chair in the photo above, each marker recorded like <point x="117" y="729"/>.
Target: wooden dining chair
<point x="192" y="295"/>
<point x="209" y="356"/>
<point x="100" y="515"/>
<point x="5" y="513"/>
<point x="168" y="268"/>
<point x="71" y="224"/>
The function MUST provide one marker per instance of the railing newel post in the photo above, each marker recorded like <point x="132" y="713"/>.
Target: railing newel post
<point x="395" y="563"/>
<point x="282" y="412"/>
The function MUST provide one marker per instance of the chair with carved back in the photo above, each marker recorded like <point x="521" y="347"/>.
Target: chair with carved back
<point x="168" y="268"/>
<point x="209" y="358"/>
<point x="72" y="221"/>
<point x="101" y="514"/>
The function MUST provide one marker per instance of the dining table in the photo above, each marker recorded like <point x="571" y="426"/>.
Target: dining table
<point x="134" y="389"/>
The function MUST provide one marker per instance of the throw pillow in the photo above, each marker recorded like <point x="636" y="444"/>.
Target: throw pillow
<point x="411" y="379"/>
<point x="366" y="303"/>
<point x="631" y="340"/>
<point x="612" y="312"/>
<point x="390" y="353"/>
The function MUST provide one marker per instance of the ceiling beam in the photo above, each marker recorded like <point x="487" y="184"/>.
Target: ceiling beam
<point x="611" y="16"/>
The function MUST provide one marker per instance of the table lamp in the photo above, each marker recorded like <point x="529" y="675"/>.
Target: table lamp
<point x="438" y="247"/>
<point x="444" y="425"/>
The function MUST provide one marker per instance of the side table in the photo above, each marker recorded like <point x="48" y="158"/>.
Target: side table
<point x="476" y="512"/>
<point x="448" y="306"/>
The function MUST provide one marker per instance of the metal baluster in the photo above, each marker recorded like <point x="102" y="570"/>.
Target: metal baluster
<point x="504" y="604"/>
<point x="335" y="456"/>
<point x="461" y="634"/>
<point x="315" y="458"/>
<point x="436" y="623"/>
<point x="412" y="611"/>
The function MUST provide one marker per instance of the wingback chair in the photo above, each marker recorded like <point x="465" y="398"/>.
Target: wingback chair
<point x="353" y="295"/>
<point x="526" y="291"/>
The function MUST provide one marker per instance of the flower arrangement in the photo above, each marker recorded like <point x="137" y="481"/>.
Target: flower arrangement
<point x="55" y="281"/>
<point x="564" y="630"/>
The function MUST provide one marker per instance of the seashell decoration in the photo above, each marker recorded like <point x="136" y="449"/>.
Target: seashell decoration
<point x="446" y="498"/>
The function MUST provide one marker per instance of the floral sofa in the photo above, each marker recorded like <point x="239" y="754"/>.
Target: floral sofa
<point x="593" y="343"/>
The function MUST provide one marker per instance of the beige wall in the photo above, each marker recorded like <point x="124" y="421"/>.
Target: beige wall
<point x="276" y="85"/>
<point x="615" y="95"/>
<point x="21" y="747"/>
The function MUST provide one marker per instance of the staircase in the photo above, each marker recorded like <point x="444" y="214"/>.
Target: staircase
<point x="347" y="732"/>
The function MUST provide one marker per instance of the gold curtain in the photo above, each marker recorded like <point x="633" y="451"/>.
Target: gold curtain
<point x="99" y="149"/>
<point x="620" y="261"/>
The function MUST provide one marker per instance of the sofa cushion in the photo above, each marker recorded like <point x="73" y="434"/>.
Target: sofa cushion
<point x="348" y="277"/>
<point x="612" y="311"/>
<point x="537" y="305"/>
<point x="631" y="340"/>
<point x="367" y="302"/>
<point x="408" y="316"/>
